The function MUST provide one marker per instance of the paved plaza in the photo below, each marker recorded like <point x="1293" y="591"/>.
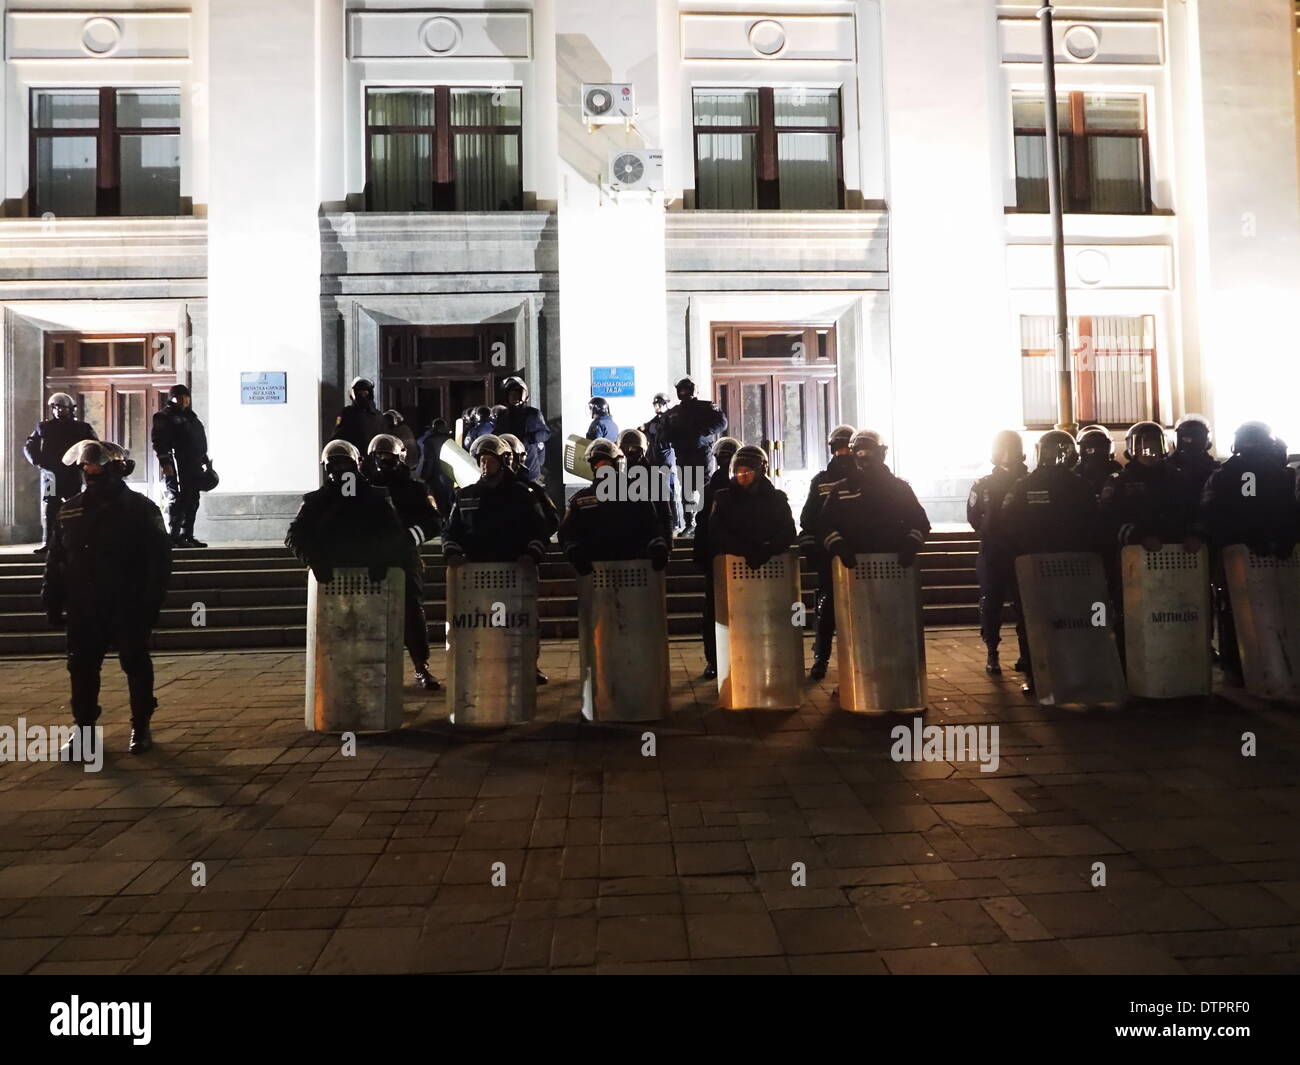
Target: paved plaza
<point x="749" y="842"/>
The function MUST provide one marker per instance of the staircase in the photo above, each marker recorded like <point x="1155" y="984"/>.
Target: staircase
<point x="256" y="596"/>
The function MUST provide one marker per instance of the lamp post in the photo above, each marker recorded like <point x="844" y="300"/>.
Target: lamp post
<point x="1064" y="382"/>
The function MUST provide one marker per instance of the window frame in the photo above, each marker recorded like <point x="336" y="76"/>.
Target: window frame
<point x="108" y="136"/>
<point x="443" y="137"/>
<point x="1077" y="200"/>
<point x="767" y="179"/>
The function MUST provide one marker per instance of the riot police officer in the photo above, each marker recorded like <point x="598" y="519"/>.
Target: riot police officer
<point x="349" y="522"/>
<point x="1150" y="502"/>
<point x="841" y="465"/>
<point x="599" y="529"/>
<point x="478" y="422"/>
<point x="386" y="468"/>
<point x="495" y="519"/>
<point x="107" y="573"/>
<point x="45" y="448"/>
<point x="431" y="470"/>
<point x="360" y="421"/>
<point x="181" y="444"/>
<point x="395" y="425"/>
<point x="1096" y="464"/>
<point x="525" y="422"/>
<point x="872" y="511"/>
<point x="1249" y="500"/>
<point x="701" y="550"/>
<point x="635" y="448"/>
<point x="1193" y="454"/>
<point x="1053" y="508"/>
<point x="602" y="425"/>
<point x="693" y="424"/>
<point x="994" y="568"/>
<point x="660" y="452"/>
<point x="750" y="517"/>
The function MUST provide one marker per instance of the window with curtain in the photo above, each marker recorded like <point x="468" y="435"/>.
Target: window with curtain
<point x="105" y="152"/>
<point x="1113" y="367"/>
<point x="1105" y="165"/>
<point x="444" y="148"/>
<point x="768" y="149"/>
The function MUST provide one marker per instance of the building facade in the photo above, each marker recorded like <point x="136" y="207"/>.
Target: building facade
<point x="821" y="210"/>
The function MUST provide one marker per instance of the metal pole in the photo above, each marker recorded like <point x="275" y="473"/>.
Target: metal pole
<point x="1064" y="382"/>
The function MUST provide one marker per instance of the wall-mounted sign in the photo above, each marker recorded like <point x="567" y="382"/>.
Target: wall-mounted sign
<point x="613" y="380"/>
<point x="263" y="387"/>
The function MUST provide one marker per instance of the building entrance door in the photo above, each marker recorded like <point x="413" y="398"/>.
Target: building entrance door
<point x="437" y="371"/>
<point x="119" y="381"/>
<point x="777" y="386"/>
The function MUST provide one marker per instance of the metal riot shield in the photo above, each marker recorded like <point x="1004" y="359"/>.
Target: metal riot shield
<point x="1166" y="621"/>
<point x="760" y="649"/>
<point x="460" y="467"/>
<point x="354" y="651"/>
<point x="1265" y="597"/>
<point x="623" y="642"/>
<point x="492" y="643"/>
<point x="575" y="457"/>
<point x="880" y="635"/>
<point x="1068" y="618"/>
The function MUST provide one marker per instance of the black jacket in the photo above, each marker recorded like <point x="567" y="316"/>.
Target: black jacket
<point x="754" y="523"/>
<point x="528" y="424"/>
<point x="1142" y="502"/>
<point x="1196" y="466"/>
<point x="693" y="425"/>
<point x="874" y="511"/>
<point x="359" y="425"/>
<point x="1051" y="509"/>
<point x="550" y="515"/>
<point x="701" y="549"/>
<point x="660" y="451"/>
<point x="178" y="437"/>
<point x="1264" y="519"/>
<point x="110" y="558"/>
<point x="363" y="529"/>
<point x="984" y="506"/>
<point x="496" y="523"/>
<point x="602" y="428"/>
<point x="1096" y="474"/>
<point x="47" y="445"/>
<point x="597" y="531"/>
<point x="840" y="467"/>
<point x="410" y="498"/>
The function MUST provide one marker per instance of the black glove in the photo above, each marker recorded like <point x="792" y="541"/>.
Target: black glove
<point x="377" y="573"/>
<point x="54" y="615"/>
<point x="454" y="559"/>
<point x="845" y="554"/>
<point x="756" y="560"/>
<point x="1260" y="548"/>
<point x="1284" y="548"/>
<point x="323" y="573"/>
<point x="581" y="563"/>
<point x="907" y="553"/>
<point x="659" y="556"/>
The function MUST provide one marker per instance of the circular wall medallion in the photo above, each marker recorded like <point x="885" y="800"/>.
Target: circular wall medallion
<point x="100" y="36"/>
<point x="767" y="37"/>
<point x="440" y="35"/>
<point x="1082" y="43"/>
<point x="1091" y="266"/>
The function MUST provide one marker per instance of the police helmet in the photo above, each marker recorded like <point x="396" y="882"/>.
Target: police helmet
<point x="1094" y="440"/>
<point x="385" y="444"/>
<point x="603" y="451"/>
<point x="867" y="444"/>
<point x="1146" y="440"/>
<point x="685" y="385"/>
<point x="497" y="411"/>
<point x="750" y="456"/>
<point x="1192" y="433"/>
<point x="633" y="440"/>
<point x="598" y="405"/>
<point x="62" y="401"/>
<point x="723" y="449"/>
<point x="340" y="449"/>
<point x="1008" y="448"/>
<point x="94" y="453"/>
<point x="489" y="445"/>
<point x="176" y="393"/>
<point x="662" y="399"/>
<point x="840" y="438"/>
<point x="482" y="414"/>
<point x="514" y="443"/>
<point x="512" y="383"/>
<point x="1253" y="437"/>
<point x="360" y="384"/>
<point x="1056" y="447"/>
<point x="394" y="417"/>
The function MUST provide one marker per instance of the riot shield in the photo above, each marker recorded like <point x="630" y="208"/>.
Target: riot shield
<point x="1166" y="621"/>
<point x="1265" y="597"/>
<point x="623" y="642"/>
<point x="575" y="457"/>
<point x="760" y="649"/>
<point x="458" y="464"/>
<point x="492" y="643"/>
<point x="881" y="635"/>
<point x="354" y="651"/>
<point x="1070" y="624"/>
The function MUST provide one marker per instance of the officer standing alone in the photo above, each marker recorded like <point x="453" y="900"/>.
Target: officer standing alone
<point x="181" y="445"/>
<point x="693" y="425"/>
<point x="602" y="425"/>
<point x="360" y="421"/>
<point x="995" y="566"/>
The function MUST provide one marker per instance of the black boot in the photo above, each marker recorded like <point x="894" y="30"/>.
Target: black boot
<point x="818" y="670"/>
<point x="425" y="679"/>
<point x="710" y="672"/>
<point x="992" y="666"/>
<point x="141" y="739"/>
<point x="542" y="678"/>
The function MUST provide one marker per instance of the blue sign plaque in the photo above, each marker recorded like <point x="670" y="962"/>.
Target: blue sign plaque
<point x="263" y="387"/>
<point x="613" y="380"/>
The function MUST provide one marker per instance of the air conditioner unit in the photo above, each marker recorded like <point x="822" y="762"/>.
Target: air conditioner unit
<point x="606" y="104"/>
<point x="636" y="170"/>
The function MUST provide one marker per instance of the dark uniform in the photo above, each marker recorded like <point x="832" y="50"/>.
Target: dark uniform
<point x="872" y="511"/>
<point x="1149" y="503"/>
<point x="527" y="423"/>
<point x="333" y="529"/>
<point x="1051" y="509"/>
<point x="431" y="471"/>
<point x="1196" y="466"/>
<point x="702" y="555"/>
<point x="602" y="427"/>
<point x="693" y="425"/>
<point x="410" y="498"/>
<point x="360" y="421"/>
<point x="660" y="453"/>
<point x="753" y="523"/>
<point x="839" y="468"/>
<point x="1097" y="471"/>
<point x="181" y="444"/>
<point x="45" y="449"/>
<point x="995" y="565"/>
<point x="613" y="530"/>
<point x="108" y="569"/>
<point x="496" y="523"/>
